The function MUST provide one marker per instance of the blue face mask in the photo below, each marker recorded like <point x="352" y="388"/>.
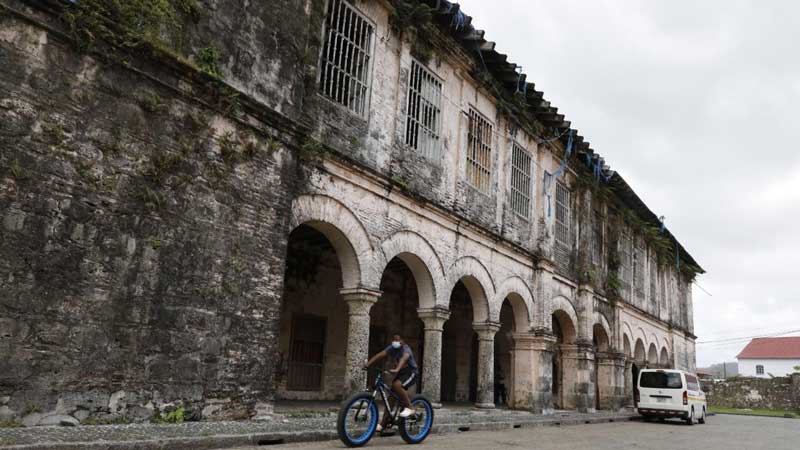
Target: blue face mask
<point x="395" y="344"/>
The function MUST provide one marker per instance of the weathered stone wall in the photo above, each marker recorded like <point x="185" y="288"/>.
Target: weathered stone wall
<point x="142" y="241"/>
<point x="782" y="393"/>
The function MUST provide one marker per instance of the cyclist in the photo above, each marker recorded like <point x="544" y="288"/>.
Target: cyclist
<point x="406" y="374"/>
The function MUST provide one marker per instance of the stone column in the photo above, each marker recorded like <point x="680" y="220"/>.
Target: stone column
<point x="524" y="365"/>
<point x="543" y="347"/>
<point x="486" y="332"/>
<point x="611" y="380"/>
<point x="359" y="301"/>
<point x="628" y="394"/>
<point x="434" y="319"/>
<point x="577" y="362"/>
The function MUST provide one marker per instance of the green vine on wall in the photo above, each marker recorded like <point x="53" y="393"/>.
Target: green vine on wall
<point x="415" y="19"/>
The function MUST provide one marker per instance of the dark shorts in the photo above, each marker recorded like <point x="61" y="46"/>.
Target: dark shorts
<point x="408" y="377"/>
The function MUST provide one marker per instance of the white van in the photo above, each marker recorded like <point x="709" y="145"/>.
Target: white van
<point x="670" y="393"/>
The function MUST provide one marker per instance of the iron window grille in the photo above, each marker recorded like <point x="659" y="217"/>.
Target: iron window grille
<point x="423" y="114"/>
<point x="520" y="180"/>
<point x="759" y="370"/>
<point x="597" y="244"/>
<point x="346" y="55"/>
<point x="638" y="267"/>
<point x="479" y="152"/>
<point x="562" y="215"/>
<point x="625" y="266"/>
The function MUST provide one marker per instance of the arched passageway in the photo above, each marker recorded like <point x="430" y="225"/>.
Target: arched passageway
<point x="664" y="361"/>
<point x="312" y="340"/>
<point x="503" y="358"/>
<point x="468" y="346"/>
<point x="396" y="313"/>
<point x="603" y="379"/>
<point x="564" y="331"/>
<point x="459" y="350"/>
<point x="652" y="356"/>
<point x="639" y="361"/>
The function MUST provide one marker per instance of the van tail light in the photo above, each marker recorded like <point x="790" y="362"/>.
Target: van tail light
<point x="636" y="395"/>
<point x="685" y="398"/>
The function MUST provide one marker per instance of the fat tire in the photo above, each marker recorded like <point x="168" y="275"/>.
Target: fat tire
<point x="342" y="418"/>
<point x="404" y="433"/>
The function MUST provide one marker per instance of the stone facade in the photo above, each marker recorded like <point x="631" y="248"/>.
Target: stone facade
<point x="163" y="229"/>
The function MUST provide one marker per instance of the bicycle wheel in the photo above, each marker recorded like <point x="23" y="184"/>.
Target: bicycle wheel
<point x="416" y="428"/>
<point x="357" y="420"/>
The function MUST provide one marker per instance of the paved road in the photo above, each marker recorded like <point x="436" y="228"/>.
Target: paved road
<point x="721" y="432"/>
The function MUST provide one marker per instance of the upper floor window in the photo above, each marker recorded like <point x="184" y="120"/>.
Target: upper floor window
<point x="346" y="55"/>
<point x="639" y="261"/>
<point x="479" y="152"/>
<point x="597" y="239"/>
<point x="520" y="180"/>
<point x="759" y="370"/>
<point x="423" y="115"/>
<point x="562" y="215"/>
<point x="625" y="260"/>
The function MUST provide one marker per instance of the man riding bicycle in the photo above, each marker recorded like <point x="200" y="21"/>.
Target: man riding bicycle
<point x="406" y="374"/>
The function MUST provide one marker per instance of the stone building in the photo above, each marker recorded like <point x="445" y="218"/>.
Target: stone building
<point x="221" y="204"/>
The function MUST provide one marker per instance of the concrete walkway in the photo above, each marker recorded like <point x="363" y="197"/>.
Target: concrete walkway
<point x="288" y="424"/>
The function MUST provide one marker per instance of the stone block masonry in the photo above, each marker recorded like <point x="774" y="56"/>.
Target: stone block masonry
<point x="780" y="393"/>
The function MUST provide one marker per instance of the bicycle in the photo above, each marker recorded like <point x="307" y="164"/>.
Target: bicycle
<point x="358" y="418"/>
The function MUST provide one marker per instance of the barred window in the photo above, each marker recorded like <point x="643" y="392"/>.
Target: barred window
<point x="597" y="239"/>
<point x="653" y="280"/>
<point x="479" y="151"/>
<point x="562" y="215"/>
<point x="759" y="370"/>
<point x="639" y="262"/>
<point x="625" y="260"/>
<point x="346" y="56"/>
<point x="423" y="117"/>
<point x="520" y="181"/>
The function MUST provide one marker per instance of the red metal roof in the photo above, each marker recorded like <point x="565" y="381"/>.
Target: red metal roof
<point x="772" y="348"/>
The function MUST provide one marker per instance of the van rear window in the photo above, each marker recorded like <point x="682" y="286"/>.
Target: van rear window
<point x="661" y="380"/>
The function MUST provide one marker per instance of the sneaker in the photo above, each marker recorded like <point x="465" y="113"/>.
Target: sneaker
<point x="406" y="412"/>
<point x="379" y="428"/>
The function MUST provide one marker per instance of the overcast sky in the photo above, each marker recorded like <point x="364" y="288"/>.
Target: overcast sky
<point x="696" y="105"/>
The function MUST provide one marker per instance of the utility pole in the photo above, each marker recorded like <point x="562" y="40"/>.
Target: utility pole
<point x="724" y="370"/>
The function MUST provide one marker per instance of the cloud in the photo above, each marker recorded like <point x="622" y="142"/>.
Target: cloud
<point x="695" y="105"/>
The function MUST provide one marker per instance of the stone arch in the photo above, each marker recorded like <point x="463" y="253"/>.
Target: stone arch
<point x="519" y="296"/>
<point x="479" y="284"/>
<point x="603" y="330"/>
<point x="626" y="346"/>
<point x="652" y="354"/>
<point x="639" y="352"/>
<point x="664" y="360"/>
<point x="421" y="258"/>
<point x="639" y="335"/>
<point x="342" y="228"/>
<point x="627" y="332"/>
<point x="562" y="308"/>
<point x="654" y="341"/>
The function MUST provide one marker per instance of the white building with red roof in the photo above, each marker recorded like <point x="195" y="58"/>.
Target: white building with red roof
<point x="766" y="357"/>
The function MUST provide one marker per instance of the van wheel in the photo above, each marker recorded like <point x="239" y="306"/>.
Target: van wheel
<point x="702" y="418"/>
<point x="690" y="419"/>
